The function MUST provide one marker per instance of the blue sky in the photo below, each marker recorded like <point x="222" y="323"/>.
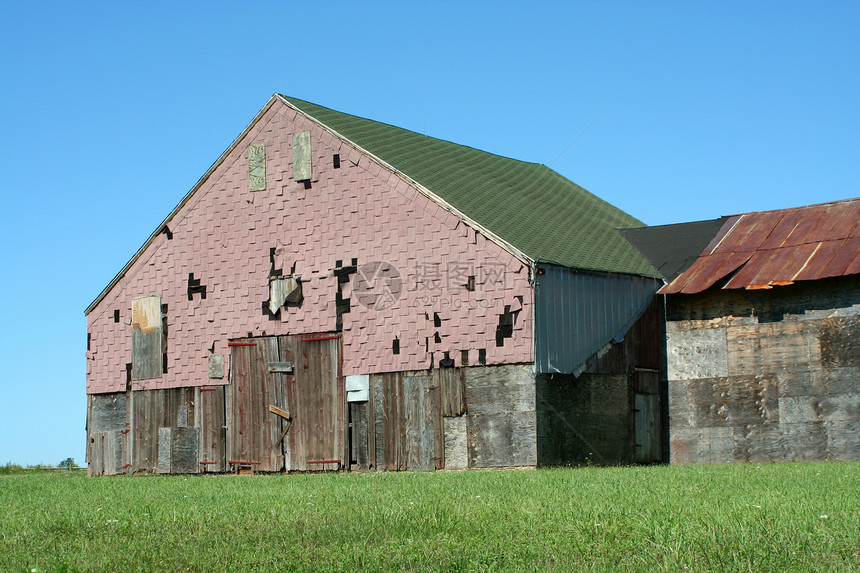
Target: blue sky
<point x="110" y="112"/>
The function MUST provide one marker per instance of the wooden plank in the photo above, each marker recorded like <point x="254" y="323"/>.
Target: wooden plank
<point x="786" y="346"/>
<point x="456" y="448"/>
<point x="164" y="450"/>
<point x="418" y="428"/>
<point x="359" y="435"/>
<point x="275" y="391"/>
<point x="378" y="419"/>
<point x="229" y="391"/>
<point x="106" y="453"/>
<point x="95" y="454"/>
<point x="148" y="414"/>
<point x="317" y="402"/>
<point x="386" y="391"/>
<point x="242" y="391"/>
<point x="499" y="389"/>
<point x="216" y="366"/>
<point x="501" y="423"/>
<point x="257" y="167"/>
<point x="507" y="439"/>
<point x="302" y="169"/>
<point x="696" y="353"/>
<point x="146" y="337"/>
<point x="282" y="367"/>
<point x="107" y="412"/>
<point x="646" y="428"/>
<point x="211" y="415"/>
<point x="843" y="440"/>
<point x="282" y="413"/>
<point x="183" y="450"/>
<point x="840" y="342"/>
<point x="453" y="391"/>
<point x="290" y="446"/>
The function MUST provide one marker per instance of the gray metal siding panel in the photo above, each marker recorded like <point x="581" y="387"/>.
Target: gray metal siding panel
<point x="577" y="313"/>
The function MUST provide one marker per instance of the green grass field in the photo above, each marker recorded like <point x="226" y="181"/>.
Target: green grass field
<point x="781" y="517"/>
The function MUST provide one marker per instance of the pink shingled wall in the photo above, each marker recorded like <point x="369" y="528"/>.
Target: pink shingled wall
<point x="359" y="211"/>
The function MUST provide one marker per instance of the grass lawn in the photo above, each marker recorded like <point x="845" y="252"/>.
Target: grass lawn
<point x="780" y="517"/>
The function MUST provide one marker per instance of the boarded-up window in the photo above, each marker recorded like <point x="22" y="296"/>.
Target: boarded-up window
<point x="302" y="156"/>
<point x="257" y="167"/>
<point x="146" y="337"/>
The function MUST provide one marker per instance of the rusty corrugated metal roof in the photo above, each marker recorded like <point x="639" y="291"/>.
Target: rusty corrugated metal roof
<point x="771" y="248"/>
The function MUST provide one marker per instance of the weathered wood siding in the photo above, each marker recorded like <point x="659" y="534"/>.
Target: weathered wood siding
<point x="452" y="418"/>
<point x="500" y="421"/>
<point x="106" y="431"/>
<point x="407" y="422"/>
<point x="156" y="431"/>
<point x="757" y="376"/>
<point x="594" y="418"/>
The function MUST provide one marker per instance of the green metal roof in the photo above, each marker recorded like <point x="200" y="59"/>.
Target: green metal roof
<point x="544" y="215"/>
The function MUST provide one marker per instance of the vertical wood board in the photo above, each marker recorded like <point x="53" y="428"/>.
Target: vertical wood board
<point x="146" y="338"/>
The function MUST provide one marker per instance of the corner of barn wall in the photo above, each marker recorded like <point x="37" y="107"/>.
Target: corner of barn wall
<point x="765" y="376"/>
<point x="614" y="411"/>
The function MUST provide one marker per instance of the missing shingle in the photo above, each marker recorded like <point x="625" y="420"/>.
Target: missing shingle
<point x="464" y="358"/>
<point x="446" y="362"/>
<point x="116" y="315"/>
<point x="307" y="183"/>
<point x="342" y="305"/>
<point x="437" y="338"/>
<point x="335" y="159"/>
<point x="437" y="322"/>
<point x="194" y="287"/>
<point x="482" y="356"/>
<point x="395" y="347"/>
<point x="505" y="328"/>
<point x="89" y="340"/>
<point x="470" y="284"/>
<point x="165" y="230"/>
<point x="128" y="374"/>
<point x="164" y="337"/>
<point x="273" y="272"/>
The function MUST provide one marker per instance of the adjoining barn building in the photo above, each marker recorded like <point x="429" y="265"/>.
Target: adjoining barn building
<point x="340" y="293"/>
<point x="762" y="334"/>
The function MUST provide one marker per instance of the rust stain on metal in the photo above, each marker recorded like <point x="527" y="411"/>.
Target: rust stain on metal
<point x="774" y="248"/>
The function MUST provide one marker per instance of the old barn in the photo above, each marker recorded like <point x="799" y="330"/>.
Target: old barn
<point x="762" y="334"/>
<point x="338" y="293"/>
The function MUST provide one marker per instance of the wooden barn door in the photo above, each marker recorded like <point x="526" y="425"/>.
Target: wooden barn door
<point x="295" y="374"/>
<point x="253" y="432"/>
<point x="407" y="421"/>
<point x="646" y="411"/>
<point x="316" y="401"/>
